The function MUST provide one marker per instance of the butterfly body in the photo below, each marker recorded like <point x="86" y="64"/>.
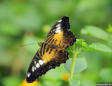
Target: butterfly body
<point x="52" y="52"/>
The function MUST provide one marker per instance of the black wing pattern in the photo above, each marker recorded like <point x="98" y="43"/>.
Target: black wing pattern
<point x="45" y="59"/>
<point x="60" y="34"/>
<point x="52" y="52"/>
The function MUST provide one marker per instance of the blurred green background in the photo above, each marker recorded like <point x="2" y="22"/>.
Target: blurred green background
<point x="24" y="23"/>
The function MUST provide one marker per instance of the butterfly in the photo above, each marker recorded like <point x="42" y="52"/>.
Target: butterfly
<point x="52" y="52"/>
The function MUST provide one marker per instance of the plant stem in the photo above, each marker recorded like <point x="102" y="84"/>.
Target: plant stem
<point x="73" y="64"/>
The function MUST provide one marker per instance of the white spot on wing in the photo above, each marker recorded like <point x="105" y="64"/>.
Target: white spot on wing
<point x="37" y="65"/>
<point x="28" y="74"/>
<point x="59" y="20"/>
<point x="58" y="30"/>
<point x="33" y="69"/>
<point x="34" y="62"/>
<point x="58" y="25"/>
<point x="41" y="62"/>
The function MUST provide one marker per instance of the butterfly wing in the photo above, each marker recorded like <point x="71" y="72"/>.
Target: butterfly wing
<point x="52" y="53"/>
<point x="60" y="34"/>
<point x="45" y="59"/>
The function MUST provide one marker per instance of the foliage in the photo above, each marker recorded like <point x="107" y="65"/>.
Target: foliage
<point x="24" y="23"/>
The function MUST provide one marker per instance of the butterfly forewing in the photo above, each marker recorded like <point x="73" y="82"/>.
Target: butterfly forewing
<point x="60" y="34"/>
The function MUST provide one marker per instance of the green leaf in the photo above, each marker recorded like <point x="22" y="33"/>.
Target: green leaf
<point x="53" y="77"/>
<point x="80" y="65"/>
<point x="101" y="47"/>
<point x="58" y="71"/>
<point x="106" y="74"/>
<point x="95" y="32"/>
<point x="51" y="83"/>
<point x="88" y="83"/>
<point x="74" y="82"/>
<point x="79" y="45"/>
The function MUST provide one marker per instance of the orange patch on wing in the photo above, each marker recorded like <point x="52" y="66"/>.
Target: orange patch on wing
<point x="48" y="56"/>
<point x="59" y="37"/>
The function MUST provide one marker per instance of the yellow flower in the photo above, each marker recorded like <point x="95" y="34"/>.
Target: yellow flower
<point x="24" y="83"/>
<point x="65" y="77"/>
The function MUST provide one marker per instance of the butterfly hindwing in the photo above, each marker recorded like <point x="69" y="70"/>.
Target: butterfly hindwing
<point x="47" y="57"/>
<point x="60" y="34"/>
